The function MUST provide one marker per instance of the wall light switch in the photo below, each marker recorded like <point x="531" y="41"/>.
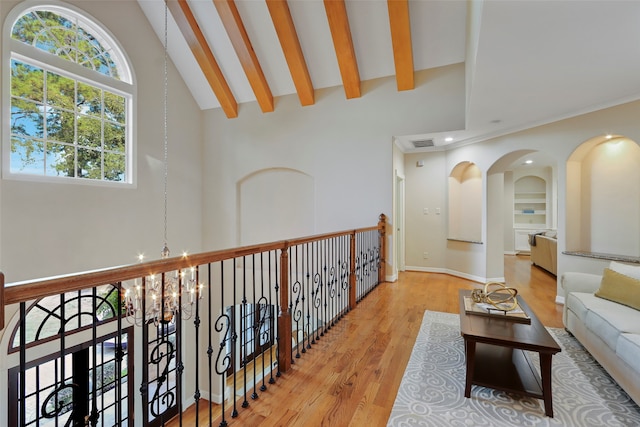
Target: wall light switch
<point x="426" y="211"/>
<point x="437" y="211"/>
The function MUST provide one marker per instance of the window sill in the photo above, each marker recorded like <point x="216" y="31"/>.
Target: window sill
<point x="475" y="242"/>
<point x="610" y="257"/>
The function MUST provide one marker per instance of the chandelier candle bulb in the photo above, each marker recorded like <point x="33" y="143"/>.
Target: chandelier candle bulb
<point x="127" y="298"/>
<point x="137" y="297"/>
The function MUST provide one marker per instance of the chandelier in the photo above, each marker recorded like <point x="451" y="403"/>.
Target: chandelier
<point x="161" y="298"/>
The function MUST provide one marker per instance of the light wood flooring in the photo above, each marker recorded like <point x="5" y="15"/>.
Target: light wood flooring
<point x="351" y="376"/>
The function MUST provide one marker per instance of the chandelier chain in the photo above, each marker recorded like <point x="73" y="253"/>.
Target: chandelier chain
<point x="166" y="136"/>
<point x="168" y="296"/>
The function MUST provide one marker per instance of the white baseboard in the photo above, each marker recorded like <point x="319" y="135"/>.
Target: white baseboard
<point x="452" y="273"/>
<point x="392" y="278"/>
<point x="510" y="253"/>
<point x="425" y="269"/>
<point x="188" y="401"/>
<point x="215" y="398"/>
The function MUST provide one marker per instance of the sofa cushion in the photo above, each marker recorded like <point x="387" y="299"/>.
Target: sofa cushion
<point x="628" y="349"/>
<point x="608" y="321"/>
<point x="620" y="288"/>
<point x="578" y="303"/>
<point x="626" y="269"/>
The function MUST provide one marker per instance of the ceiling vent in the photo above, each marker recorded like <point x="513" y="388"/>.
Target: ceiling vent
<point x="423" y="143"/>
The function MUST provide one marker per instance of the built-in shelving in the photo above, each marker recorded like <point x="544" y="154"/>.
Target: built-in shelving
<point x="529" y="208"/>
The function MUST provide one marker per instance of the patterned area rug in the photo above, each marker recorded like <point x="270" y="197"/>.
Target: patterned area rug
<point x="432" y="388"/>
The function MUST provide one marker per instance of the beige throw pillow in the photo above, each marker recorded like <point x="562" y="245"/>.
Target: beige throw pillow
<point x="619" y="288"/>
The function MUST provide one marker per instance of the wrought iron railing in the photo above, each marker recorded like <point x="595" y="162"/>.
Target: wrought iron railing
<point x="81" y="345"/>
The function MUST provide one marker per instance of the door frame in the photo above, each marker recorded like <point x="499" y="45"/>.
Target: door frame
<point x="399" y="222"/>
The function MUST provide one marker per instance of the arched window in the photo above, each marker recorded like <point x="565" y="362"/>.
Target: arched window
<point x="91" y="370"/>
<point x="69" y="95"/>
<point x="74" y="312"/>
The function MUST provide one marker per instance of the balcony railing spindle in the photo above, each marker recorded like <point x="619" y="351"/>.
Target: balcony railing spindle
<point x="287" y="296"/>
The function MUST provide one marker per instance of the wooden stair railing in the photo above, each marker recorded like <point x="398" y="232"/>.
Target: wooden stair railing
<point x="350" y="265"/>
<point x="14" y="293"/>
<point x="2" y="301"/>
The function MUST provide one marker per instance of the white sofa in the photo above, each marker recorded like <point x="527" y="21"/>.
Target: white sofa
<point x="608" y="330"/>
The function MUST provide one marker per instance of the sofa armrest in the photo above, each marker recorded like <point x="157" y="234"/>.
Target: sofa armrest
<point x="580" y="282"/>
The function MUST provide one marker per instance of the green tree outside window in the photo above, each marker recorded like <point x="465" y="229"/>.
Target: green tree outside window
<point x="61" y="124"/>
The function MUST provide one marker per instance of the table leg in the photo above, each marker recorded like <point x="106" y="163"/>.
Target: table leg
<point x="545" y="370"/>
<point x="470" y="354"/>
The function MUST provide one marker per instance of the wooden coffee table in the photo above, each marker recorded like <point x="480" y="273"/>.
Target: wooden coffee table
<point x="495" y="357"/>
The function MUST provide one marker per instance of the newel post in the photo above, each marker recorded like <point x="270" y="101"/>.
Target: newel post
<point x="1" y="301"/>
<point x="352" y="271"/>
<point x="284" y="316"/>
<point x="382" y="229"/>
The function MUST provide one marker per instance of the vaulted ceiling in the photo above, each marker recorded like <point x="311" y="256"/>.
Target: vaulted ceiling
<point x="527" y="62"/>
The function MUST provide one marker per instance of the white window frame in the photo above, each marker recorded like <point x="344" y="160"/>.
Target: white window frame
<point x="125" y="87"/>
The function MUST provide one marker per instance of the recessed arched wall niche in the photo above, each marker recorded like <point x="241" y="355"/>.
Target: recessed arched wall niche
<point x="465" y="203"/>
<point x="603" y="197"/>
<point x="275" y="204"/>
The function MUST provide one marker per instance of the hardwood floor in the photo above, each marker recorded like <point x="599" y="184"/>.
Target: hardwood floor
<point x="351" y="376"/>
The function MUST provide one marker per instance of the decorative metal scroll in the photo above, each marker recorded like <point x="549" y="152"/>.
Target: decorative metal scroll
<point x="162" y="400"/>
<point x="59" y="402"/>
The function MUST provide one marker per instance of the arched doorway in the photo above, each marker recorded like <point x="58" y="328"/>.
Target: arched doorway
<point x="522" y="199"/>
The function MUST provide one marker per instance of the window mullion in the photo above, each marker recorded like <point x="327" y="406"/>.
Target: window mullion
<point x="33" y="55"/>
<point x="89" y="141"/>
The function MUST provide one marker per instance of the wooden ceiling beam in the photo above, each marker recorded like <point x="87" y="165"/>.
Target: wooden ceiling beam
<point x="242" y="45"/>
<point x="401" y="41"/>
<point x="190" y="29"/>
<point x="286" y="31"/>
<point x="343" y="45"/>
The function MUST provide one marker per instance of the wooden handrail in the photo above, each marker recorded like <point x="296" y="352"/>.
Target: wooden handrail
<point x="284" y="317"/>
<point x="382" y="227"/>
<point x="14" y="293"/>
<point x="309" y="295"/>
<point x="352" y="272"/>
<point x="1" y="299"/>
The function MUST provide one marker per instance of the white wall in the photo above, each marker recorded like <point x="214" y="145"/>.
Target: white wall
<point x="425" y="232"/>
<point x="507" y="225"/>
<point x="495" y="220"/>
<point x="398" y="246"/>
<point x="49" y="229"/>
<point x="284" y="196"/>
<point x="344" y="145"/>
<point x="558" y="140"/>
